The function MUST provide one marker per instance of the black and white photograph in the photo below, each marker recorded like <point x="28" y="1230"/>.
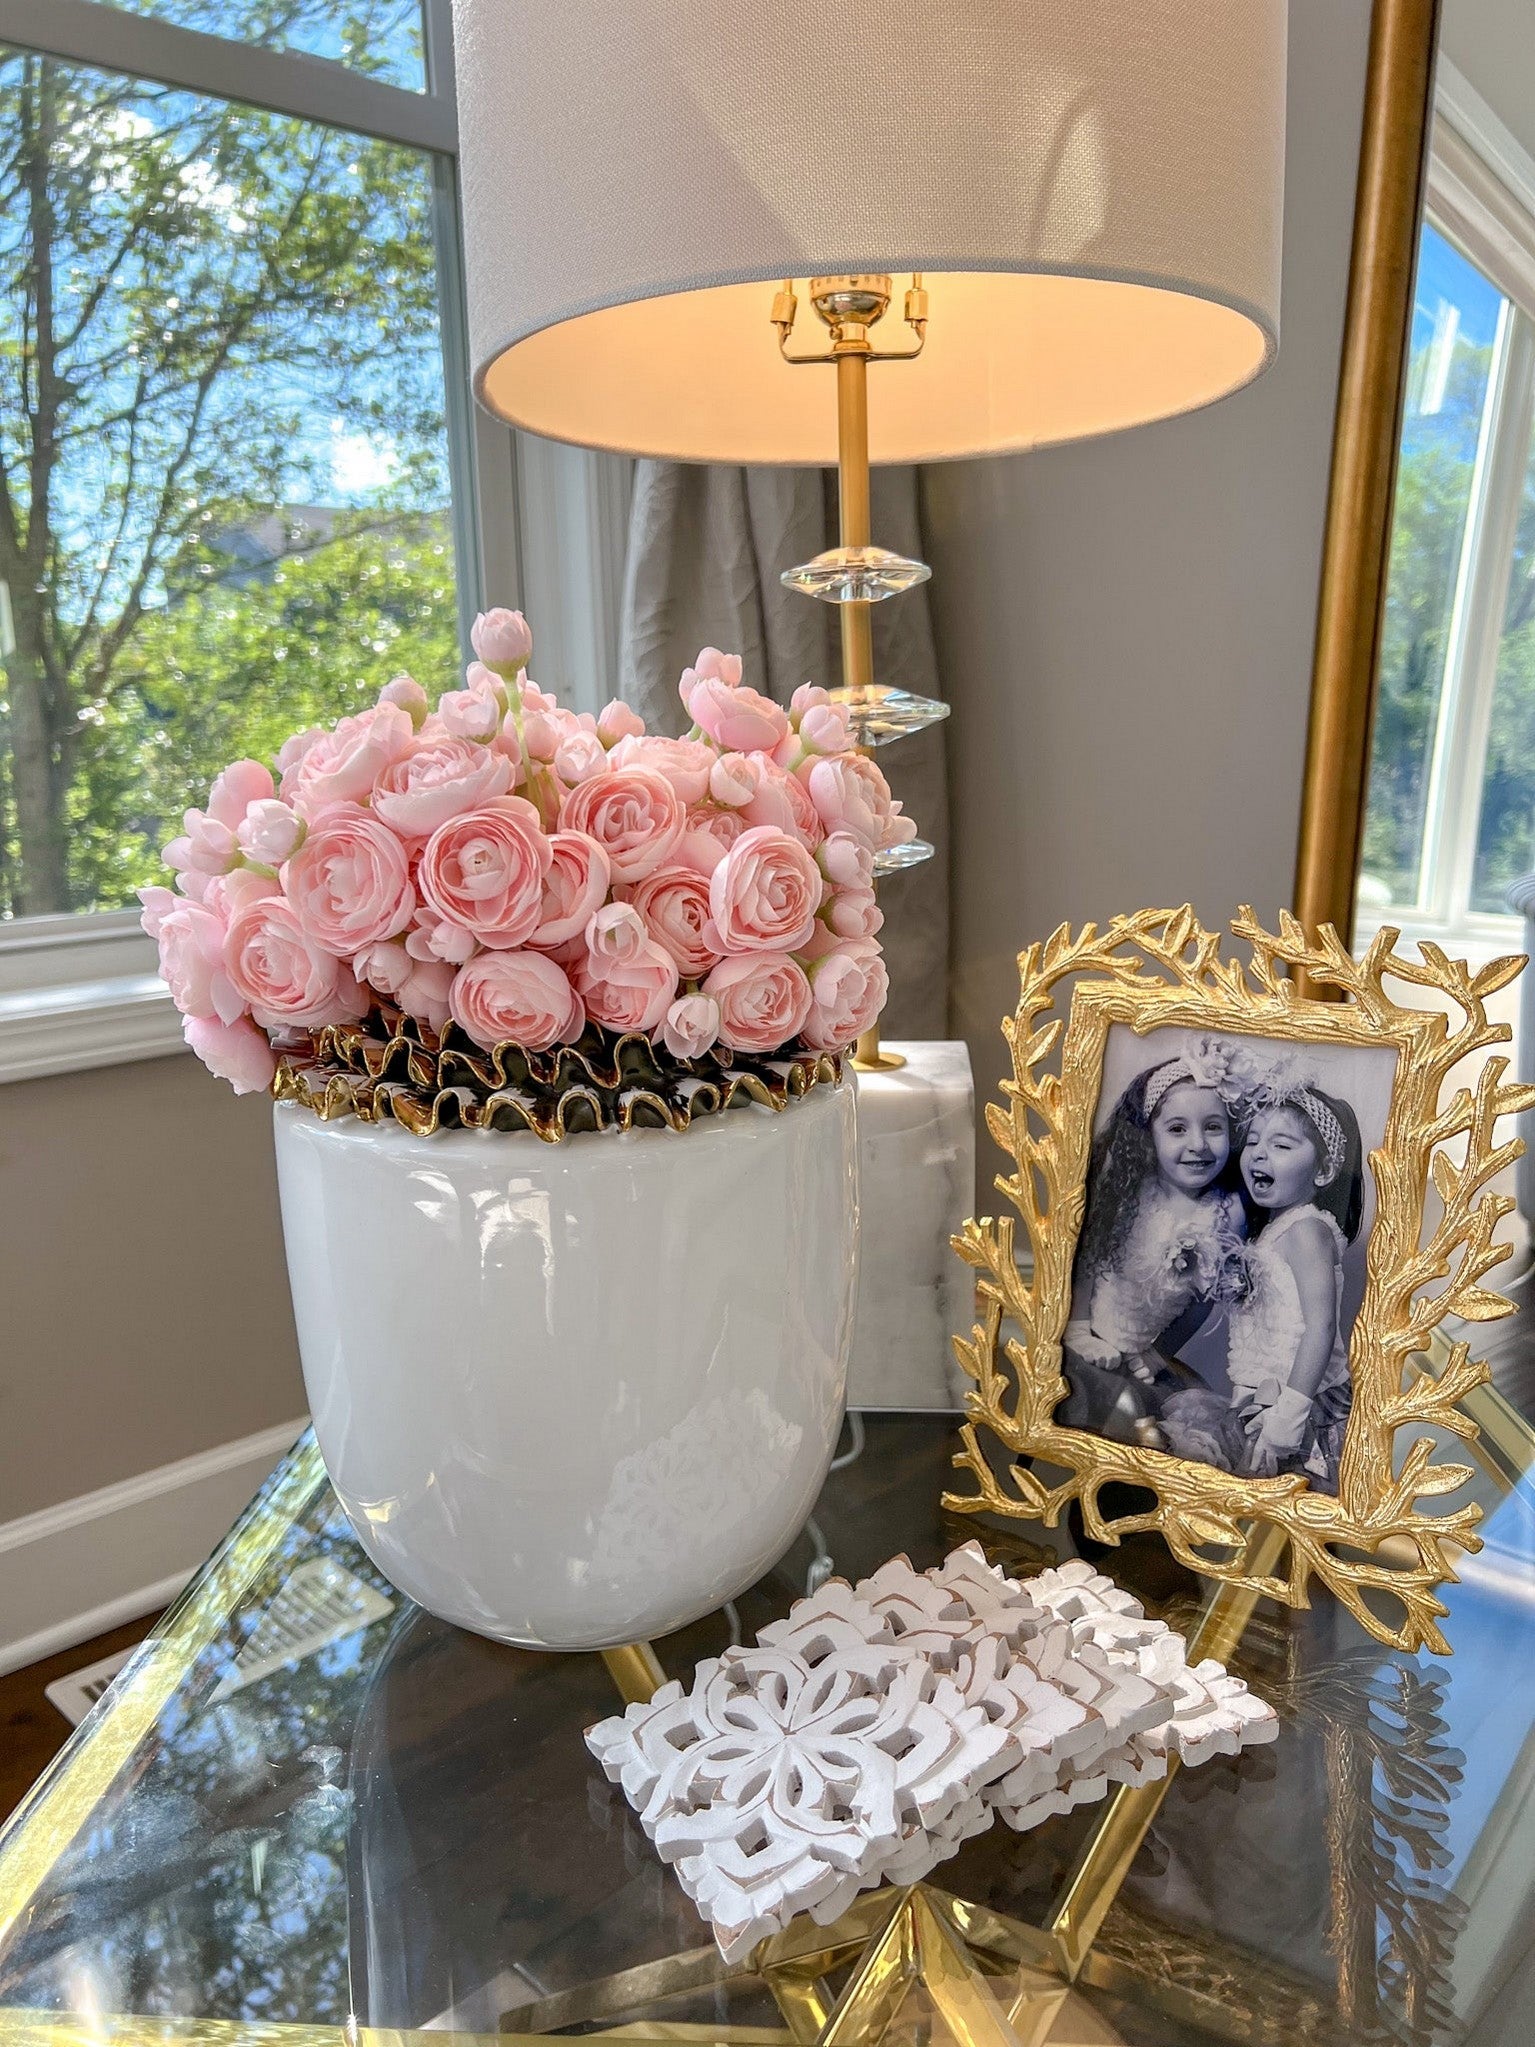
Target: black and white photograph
<point x="1221" y="1261"/>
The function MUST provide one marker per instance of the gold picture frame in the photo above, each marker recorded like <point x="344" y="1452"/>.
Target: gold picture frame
<point x="1375" y="1544"/>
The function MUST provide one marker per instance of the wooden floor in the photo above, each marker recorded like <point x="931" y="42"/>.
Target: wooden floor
<point x="32" y="1729"/>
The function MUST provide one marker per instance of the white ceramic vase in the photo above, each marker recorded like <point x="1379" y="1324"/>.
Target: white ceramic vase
<point x="577" y="1394"/>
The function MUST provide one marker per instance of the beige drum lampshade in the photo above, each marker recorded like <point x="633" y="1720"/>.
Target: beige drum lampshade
<point x="1092" y="189"/>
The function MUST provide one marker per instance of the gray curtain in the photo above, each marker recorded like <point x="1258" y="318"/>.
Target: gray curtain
<point x="706" y="545"/>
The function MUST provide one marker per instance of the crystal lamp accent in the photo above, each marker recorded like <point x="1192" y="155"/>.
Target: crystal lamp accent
<point x="896" y="858"/>
<point x="878" y="715"/>
<point x="856" y="575"/>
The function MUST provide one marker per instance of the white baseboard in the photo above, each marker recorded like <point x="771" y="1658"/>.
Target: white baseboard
<point x="74" y="1570"/>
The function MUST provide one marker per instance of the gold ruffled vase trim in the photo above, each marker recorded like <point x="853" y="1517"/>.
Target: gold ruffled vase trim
<point x="390" y="1066"/>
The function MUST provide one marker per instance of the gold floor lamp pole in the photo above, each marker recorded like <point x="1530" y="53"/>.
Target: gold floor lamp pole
<point x="855" y="575"/>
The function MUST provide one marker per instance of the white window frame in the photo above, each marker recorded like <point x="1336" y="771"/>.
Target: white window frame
<point x="1481" y="197"/>
<point x="533" y="524"/>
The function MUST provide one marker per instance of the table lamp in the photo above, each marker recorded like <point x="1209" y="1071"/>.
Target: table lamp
<point x="1076" y="209"/>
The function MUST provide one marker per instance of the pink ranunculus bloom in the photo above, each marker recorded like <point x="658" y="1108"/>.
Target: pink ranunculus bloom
<point x="627" y="980"/>
<point x="442" y="778"/>
<point x="240" y="785"/>
<point x="709" y="837"/>
<point x="725" y="668"/>
<point x="516" y="998"/>
<point x="157" y="905"/>
<point x="474" y="713"/>
<point x="295" y="746"/>
<point x="286" y="976"/>
<point x="485" y="871"/>
<point x="270" y="832"/>
<point x="851" y="795"/>
<point x="808" y="697"/>
<point x="407" y="695"/>
<point x="634" y="814"/>
<point x="226" y="893"/>
<point x="350" y="880"/>
<point x="846" y="861"/>
<point x="684" y="762"/>
<point x="206" y="846"/>
<point x="784" y="801"/>
<point x="737" y="720"/>
<point x="433" y="938"/>
<point x="616" y="721"/>
<point x="236" y="1052"/>
<point x="342" y="766"/>
<point x="853" y="913"/>
<point x="691" y="1026"/>
<point x="578" y="756"/>
<point x="734" y="779"/>
<point x="502" y="638"/>
<point x="848" y="987"/>
<point x="191" y="941"/>
<point x="825" y="729"/>
<point x="420" y="987"/>
<point x="575" y="886"/>
<point x="541" y="735"/>
<point x="765" y="893"/>
<point x="764" y="999"/>
<point x="674" y="902"/>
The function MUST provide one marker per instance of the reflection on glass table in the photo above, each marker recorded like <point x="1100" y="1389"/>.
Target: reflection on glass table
<point x="305" y="1802"/>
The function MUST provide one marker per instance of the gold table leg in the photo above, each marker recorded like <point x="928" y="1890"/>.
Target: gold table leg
<point x="636" y="1670"/>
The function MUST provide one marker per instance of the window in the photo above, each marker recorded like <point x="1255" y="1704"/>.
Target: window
<point x="238" y="461"/>
<point x="1450" y="815"/>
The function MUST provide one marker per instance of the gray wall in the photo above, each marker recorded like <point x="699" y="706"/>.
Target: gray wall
<point x="144" y="1304"/>
<point x="1125" y="626"/>
<point x="1493" y="43"/>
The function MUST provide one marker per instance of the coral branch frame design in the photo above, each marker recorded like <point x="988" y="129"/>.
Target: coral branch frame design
<point x="1375" y="1545"/>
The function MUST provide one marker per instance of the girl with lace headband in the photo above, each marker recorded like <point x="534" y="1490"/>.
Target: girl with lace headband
<point x="1302" y="1164"/>
<point x="1163" y="1222"/>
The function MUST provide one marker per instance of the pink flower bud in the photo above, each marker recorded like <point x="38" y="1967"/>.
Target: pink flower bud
<point x="408" y="695"/>
<point x="691" y="1026"/>
<point x="502" y="639"/>
<point x="271" y="832"/>
<point x="617" y="721"/>
<point x="734" y="779"/>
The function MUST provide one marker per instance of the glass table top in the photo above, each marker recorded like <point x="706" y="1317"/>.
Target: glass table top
<point x="306" y="1804"/>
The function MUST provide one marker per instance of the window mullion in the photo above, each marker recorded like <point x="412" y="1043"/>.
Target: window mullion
<point x="1478" y="625"/>
<point x="282" y="81"/>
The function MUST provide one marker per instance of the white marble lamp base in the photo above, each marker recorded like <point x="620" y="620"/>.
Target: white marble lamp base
<point x="916" y="1161"/>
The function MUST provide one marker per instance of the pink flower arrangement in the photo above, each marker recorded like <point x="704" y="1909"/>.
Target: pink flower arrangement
<point x="522" y="873"/>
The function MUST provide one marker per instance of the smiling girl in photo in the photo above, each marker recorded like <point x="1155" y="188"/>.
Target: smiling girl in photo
<point x="1163" y="1222"/>
<point x="1288" y="1359"/>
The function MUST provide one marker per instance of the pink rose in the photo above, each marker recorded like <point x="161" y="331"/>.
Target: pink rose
<point x="207" y="845"/>
<point x="420" y="987"/>
<point x="627" y="980"/>
<point x="575" y="886"/>
<point x="764" y="999"/>
<point x="634" y="814"/>
<point x="270" y="832"/>
<point x="765" y="893"/>
<point x="286" y="976"/>
<point x="236" y="1052"/>
<point x="684" y="762"/>
<point x="407" y="695"/>
<point x="851" y="795"/>
<point x="474" y="713"/>
<point x="439" y="780"/>
<point x="846" y="861"/>
<point x="342" y="766"/>
<point x="579" y="755"/>
<point x="241" y="784"/>
<point x="433" y="938"/>
<point x="734" y="779"/>
<point x="847" y="992"/>
<point x="350" y="880"/>
<point x="691" y="1026"/>
<point x="516" y="998"/>
<point x="191" y="941"/>
<point x="617" y="721"/>
<point x="783" y="801"/>
<point x="674" y="902"/>
<point x="501" y="638"/>
<point x="485" y="870"/>
<point x="726" y="667"/>
<point x="737" y="720"/>
<point x="853" y="913"/>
